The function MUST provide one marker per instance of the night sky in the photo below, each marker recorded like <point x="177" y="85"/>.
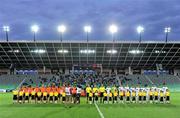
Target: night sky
<point x="154" y="15"/>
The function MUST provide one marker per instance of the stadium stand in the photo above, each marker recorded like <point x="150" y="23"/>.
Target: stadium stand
<point x="14" y="81"/>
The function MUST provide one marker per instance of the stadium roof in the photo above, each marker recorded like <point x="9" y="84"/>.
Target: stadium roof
<point x="29" y="55"/>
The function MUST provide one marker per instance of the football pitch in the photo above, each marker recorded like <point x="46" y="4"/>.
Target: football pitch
<point x="9" y="110"/>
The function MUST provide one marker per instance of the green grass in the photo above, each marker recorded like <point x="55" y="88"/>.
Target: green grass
<point x="9" y="110"/>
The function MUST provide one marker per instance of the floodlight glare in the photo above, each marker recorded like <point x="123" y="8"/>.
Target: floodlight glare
<point x="63" y="51"/>
<point x="6" y="28"/>
<point x="14" y="51"/>
<point x="61" y="28"/>
<point x="167" y="29"/>
<point x="39" y="51"/>
<point x="111" y="51"/>
<point x="135" y="51"/>
<point x="87" y="29"/>
<point x="87" y="51"/>
<point x="157" y="51"/>
<point x="35" y="28"/>
<point x="113" y="28"/>
<point x="140" y="29"/>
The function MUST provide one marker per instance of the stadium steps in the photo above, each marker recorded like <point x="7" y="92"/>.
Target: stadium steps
<point x="149" y="79"/>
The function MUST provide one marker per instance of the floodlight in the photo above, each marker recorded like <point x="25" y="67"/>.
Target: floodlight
<point x="111" y="51"/>
<point x="135" y="51"/>
<point x="63" y="51"/>
<point x="61" y="28"/>
<point x="14" y="51"/>
<point x="140" y="29"/>
<point x="113" y="28"/>
<point x="39" y="51"/>
<point x="157" y="51"/>
<point x="35" y="28"/>
<point x="87" y="29"/>
<point x="87" y="51"/>
<point x="167" y="29"/>
<point x="6" y="28"/>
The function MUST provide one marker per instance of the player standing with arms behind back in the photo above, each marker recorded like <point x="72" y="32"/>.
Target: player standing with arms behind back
<point x="88" y="89"/>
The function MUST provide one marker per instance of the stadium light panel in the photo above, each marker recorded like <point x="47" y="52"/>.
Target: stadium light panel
<point x="140" y="29"/>
<point x="63" y="51"/>
<point x="39" y="51"/>
<point x="157" y="52"/>
<point x="35" y="28"/>
<point x="14" y="51"/>
<point x="167" y="29"/>
<point x="87" y="51"/>
<point x="87" y="29"/>
<point x="113" y="28"/>
<point x="135" y="51"/>
<point x="61" y="28"/>
<point x="111" y="51"/>
<point x="6" y="28"/>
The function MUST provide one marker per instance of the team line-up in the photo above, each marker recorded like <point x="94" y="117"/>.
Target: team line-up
<point x="102" y="94"/>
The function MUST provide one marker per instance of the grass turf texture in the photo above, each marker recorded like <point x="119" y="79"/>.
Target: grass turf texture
<point x="9" y="110"/>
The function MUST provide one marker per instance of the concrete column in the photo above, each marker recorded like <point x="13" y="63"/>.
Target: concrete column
<point x="66" y="71"/>
<point x="9" y="72"/>
<point x="130" y="70"/>
<point x="142" y="71"/>
<point x="44" y="69"/>
<point x="14" y="71"/>
<point x="109" y="72"/>
<point x="115" y="71"/>
<point x="157" y="70"/>
<point x="101" y="70"/>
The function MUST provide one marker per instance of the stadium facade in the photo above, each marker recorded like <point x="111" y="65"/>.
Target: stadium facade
<point x="119" y="57"/>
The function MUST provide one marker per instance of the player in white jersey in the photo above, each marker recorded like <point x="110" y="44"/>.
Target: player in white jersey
<point x="136" y="91"/>
<point x="68" y="94"/>
<point x="78" y="95"/>
<point x="108" y="89"/>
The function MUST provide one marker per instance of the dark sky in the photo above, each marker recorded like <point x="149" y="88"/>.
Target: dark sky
<point x="154" y="15"/>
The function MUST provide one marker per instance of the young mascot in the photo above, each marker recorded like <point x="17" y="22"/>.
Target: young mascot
<point x="167" y="96"/>
<point x="20" y="96"/>
<point x="96" y="94"/>
<point x="133" y="96"/>
<point x="33" y="98"/>
<point x="39" y="96"/>
<point x="144" y="96"/>
<point x="110" y="95"/>
<point x="55" y="97"/>
<point x="115" y="94"/>
<point x="161" y="97"/>
<point x="51" y="97"/>
<point x="26" y="96"/>
<point x="127" y="96"/>
<point x="140" y="96"/>
<point x="156" y="96"/>
<point x="90" y="97"/>
<point x="94" y="91"/>
<point x="15" y="96"/>
<point x="105" y="97"/>
<point x="102" y="90"/>
<point x="88" y="89"/>
<point x="121" y="96"/>
<point x="45" y="100"/>
<point x="63" y="97"/>
<point x="151" y="96"/>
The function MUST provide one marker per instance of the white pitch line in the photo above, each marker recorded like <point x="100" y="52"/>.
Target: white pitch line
<point x="100" y="113"/>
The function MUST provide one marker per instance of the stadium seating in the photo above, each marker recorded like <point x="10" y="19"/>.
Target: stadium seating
<point x="13" y="81"/>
